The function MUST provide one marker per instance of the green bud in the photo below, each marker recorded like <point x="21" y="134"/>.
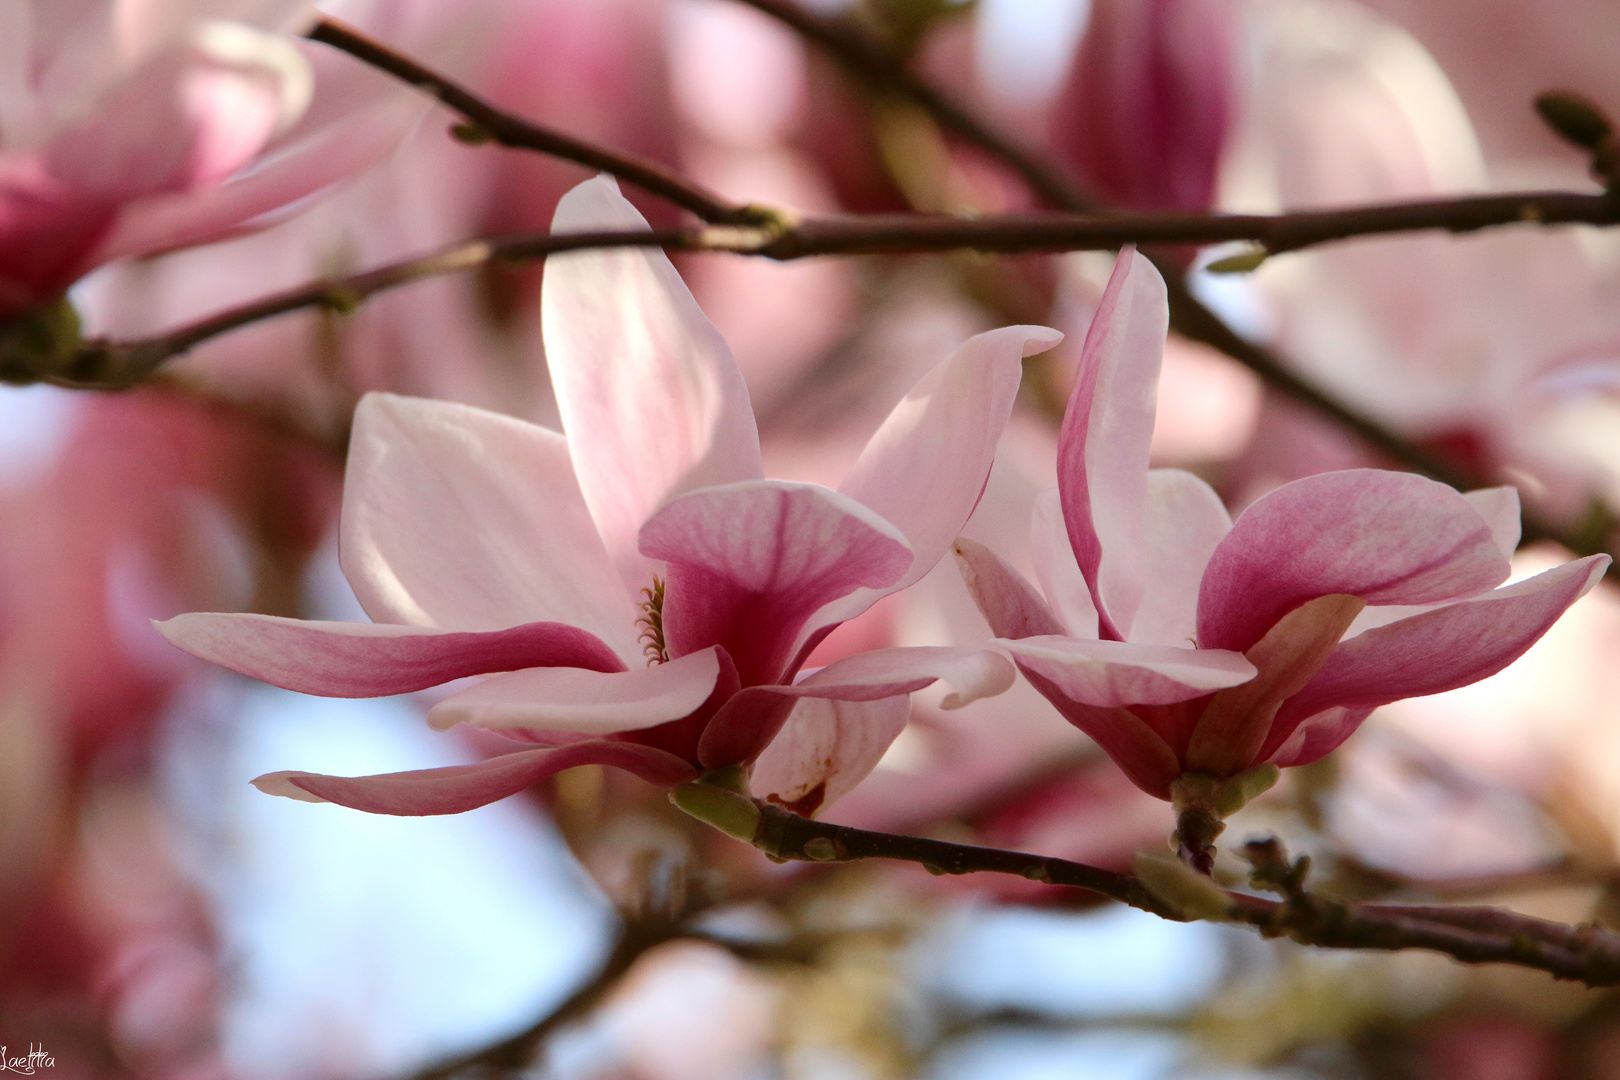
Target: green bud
<point x="731" y="813"/>
<point x="1241" y="263"/>
<point x="39" y="342"/>
<point x="1574" y="117"/>
<point x="1187" y="892"/>
<point x="1238" y="791"/>
<point x="471" y="134"/>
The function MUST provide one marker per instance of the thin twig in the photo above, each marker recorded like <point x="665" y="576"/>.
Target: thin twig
<point x="496" y="125"/>
<point x="104" y="364"/>
<point x="1586" y="954"/>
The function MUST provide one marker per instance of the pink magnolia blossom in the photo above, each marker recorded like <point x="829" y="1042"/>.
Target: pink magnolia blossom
<point x="1146" y="109"/>
<point x="129" y="129"/>
<point x="480" y="543"/>
<point x="1183" y="642"/>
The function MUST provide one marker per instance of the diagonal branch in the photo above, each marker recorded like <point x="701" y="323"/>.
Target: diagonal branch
<point x="1586" y="954"/>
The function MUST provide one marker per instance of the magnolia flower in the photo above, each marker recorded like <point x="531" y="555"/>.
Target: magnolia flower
<point x="130" y="129"/>
<point x="1186" y="644"/>
<point x="480" y="543"/>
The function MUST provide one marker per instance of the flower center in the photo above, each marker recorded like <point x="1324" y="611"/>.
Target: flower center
<point x="652" y="623"/>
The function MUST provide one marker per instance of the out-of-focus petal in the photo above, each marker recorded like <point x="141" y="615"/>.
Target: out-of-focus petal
<point x="469" y="520"/>
<point x="925" y="468"/>
<point x="748" y="722"/>
<point x="1065" y="587"/>
<point x="1007" y="602"/>
<point x="1186" y="520"/>
<point x="650" y="397"/>
<point x="825" y="748"/>
<point x="350" y="660"/>
<point x="1103" y="446"/>
<point x="1387" y="537"/>
<point x="749" y="563"/>
<point x="1235" y="723"/>
<point x="1439" y="650"/>
<point x="582" y="701"/>
<point x="456" y="789"/>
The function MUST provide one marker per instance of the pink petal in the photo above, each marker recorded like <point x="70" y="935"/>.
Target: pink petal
<point x="1237" y="721"/>
<point x="582" y="701"/>
<point x="1499" y="506"/>
<point x="925" y="468"/>
<point x="748" y="722"/>
<point x="825" y="749"/>
<point x="1139" y="751"/>
<point x="650" y="396"/>
<point x="1387" y="537"/>
<point x="1007" y="602"/>
<point x="1186" y="521"/>
<point x="1319" y="736"/>
<point x="456" y="789"/>
<point x="1103" y="447"/>
<point x="351" y="660"/>
<point x="1065" y="587"/>
<point x="749" y="563"/>
<point x="469" y="520"/>
<point x="1109" y="673"/>
<point x="1439" y="650"/>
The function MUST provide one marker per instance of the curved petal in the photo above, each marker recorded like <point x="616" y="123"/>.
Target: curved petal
<point x="1007" y="602"/>
<point x="1439" y="650"/>
<point x="749" y="563"/>
<point x="1103" y="446"/>
<point x="584" y="702"/>
<point x="1065" y="587"/>
<point x="1186" y="520"/>
<point x="1139" y="751"/>
<point x="925" y="468"/>
<point x="650" y="397"/>
<point x="351" y="660"/>
<point x="456" y="789"/>
<point x="469" y="520"/>
<point x="1387" y="537"/>
<point x="751" y="719"/>
<point x="825" y="748"/>
<point x="1109" y="673"/>
<point x="1499" y="506"/>
<point x="1319" y="736"/>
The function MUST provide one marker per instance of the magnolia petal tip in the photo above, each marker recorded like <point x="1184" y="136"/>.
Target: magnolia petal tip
<point x="284" y="785"/>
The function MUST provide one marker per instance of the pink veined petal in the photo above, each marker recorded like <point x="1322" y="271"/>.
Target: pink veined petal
<point x="584" y="702"/>
<point x="825" y="748"/>
<point x="651" y="399"/>
<point x="456" y="789"/>
<point x="1103" y="446"/>
<point x="1065" y="587"/>
<point x="1139" y="751"/>
<point x="925" y="468"/>
<point x="1439" y="650"/>
<point x="751" y="719"/>
<point x="1387" y="537"/>
<point x="469" y="520"/>
<point x="352" y="660"/>
<point x="1319" y="736"/>
<point x="1186" y="520"/>
<point x="748" y="563"/>
<point x="1499" y="506"/>
<point x="1007" y="602"/>
<point x="1109" y="673"/>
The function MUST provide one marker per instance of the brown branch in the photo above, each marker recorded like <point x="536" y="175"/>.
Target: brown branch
<point x="103" y="364"/>
<point x="1586" y="954"/>
<point x="488" y="123"/>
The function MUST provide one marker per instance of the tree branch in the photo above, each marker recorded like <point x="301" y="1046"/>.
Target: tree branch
<point x="1587" y="954"/>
